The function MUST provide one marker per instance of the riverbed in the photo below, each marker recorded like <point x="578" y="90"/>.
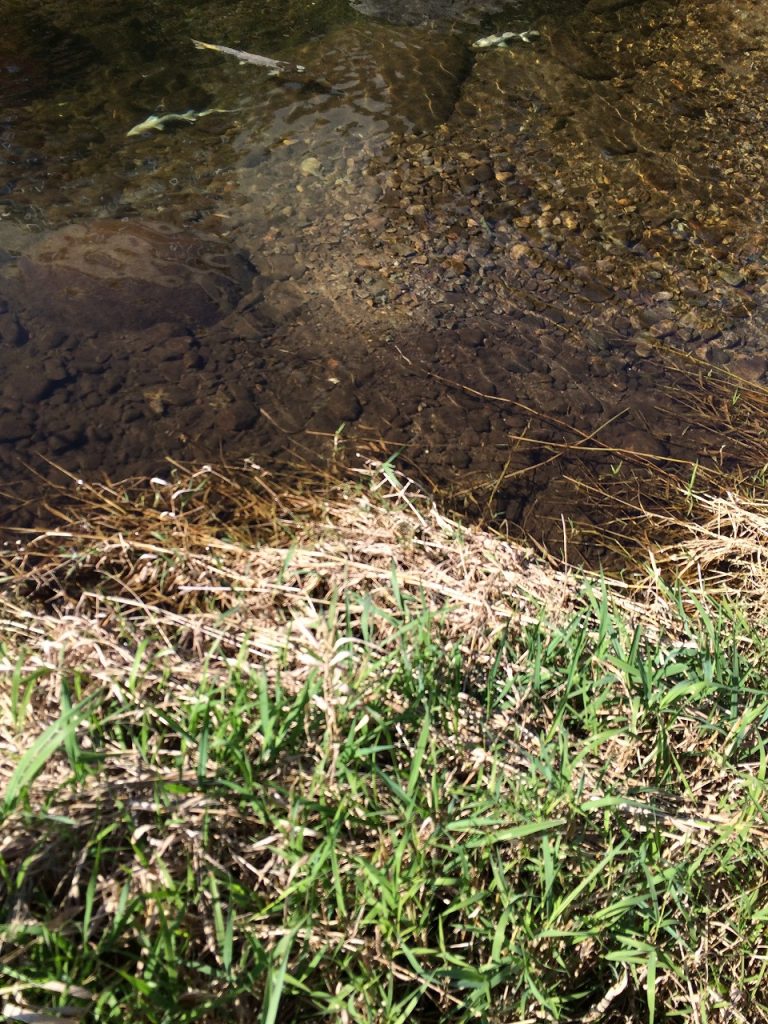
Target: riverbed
<point x="533" y="274"/>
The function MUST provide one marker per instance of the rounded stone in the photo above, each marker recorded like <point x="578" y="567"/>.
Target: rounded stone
<point x="109" y="275"/>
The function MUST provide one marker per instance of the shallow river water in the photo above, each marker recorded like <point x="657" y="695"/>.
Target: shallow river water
<point x="536" y="273"/>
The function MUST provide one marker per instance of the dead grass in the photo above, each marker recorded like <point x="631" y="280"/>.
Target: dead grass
<point x="218" y="561"/>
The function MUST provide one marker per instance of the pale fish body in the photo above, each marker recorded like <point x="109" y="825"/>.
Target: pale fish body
<point x="245" y="57"/>
<point x="506" y="37"/>
<point x="159" y="122"/>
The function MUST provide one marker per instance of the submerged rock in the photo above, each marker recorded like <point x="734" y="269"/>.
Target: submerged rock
<point x="417" y="12"/>
<point x="404" y="78"/>
<point x="36" y="59"/>
<point x="108" y="275"/>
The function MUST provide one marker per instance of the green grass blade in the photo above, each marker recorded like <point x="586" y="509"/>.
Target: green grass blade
<point x="34" y="759"/>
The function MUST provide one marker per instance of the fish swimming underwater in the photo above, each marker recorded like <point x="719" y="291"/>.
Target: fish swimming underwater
<point x="159" y="122"/>
<point x="275" y="66"/>
<point x="501" y="40"/>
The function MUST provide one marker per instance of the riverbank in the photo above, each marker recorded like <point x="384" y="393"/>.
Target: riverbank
<point x="280" y="755"/>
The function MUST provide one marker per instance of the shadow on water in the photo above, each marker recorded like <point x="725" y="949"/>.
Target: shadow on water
<point x="535" y="273"/>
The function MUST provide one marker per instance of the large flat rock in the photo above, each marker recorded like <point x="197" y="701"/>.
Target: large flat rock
<point x="110" y="275"/>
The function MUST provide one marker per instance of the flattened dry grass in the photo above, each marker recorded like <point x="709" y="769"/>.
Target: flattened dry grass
<point x="277" y="757"/>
